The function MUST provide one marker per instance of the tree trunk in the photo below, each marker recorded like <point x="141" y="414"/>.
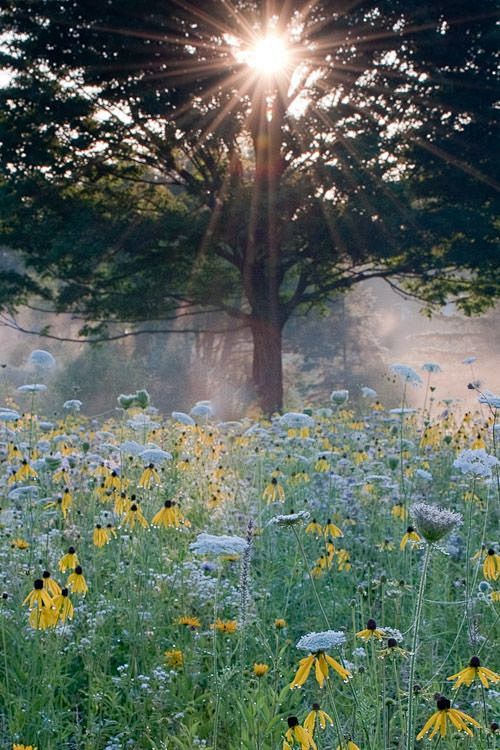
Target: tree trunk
<point x="267" y="365"/>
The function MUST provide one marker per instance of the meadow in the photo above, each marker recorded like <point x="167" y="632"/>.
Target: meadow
<point x="328" y="578"/>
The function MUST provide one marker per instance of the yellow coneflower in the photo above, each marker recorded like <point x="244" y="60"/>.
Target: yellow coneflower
<point x="19" y="543"/>
<point x="343" y="560"/>
<point x="399" y="511"/>
<point x="101" y="536"/>
<point x="321" y="465"/>
<point x="23" y="747"/>
<point x="168" y="516"/>
<point x="371" y="631"/>
<point x="385" y="546"/>
<point x="25" y="472"/>
<point x="260" y="670"/>
<point x="39" y="597"/>
<point x="280" y="623"/>
<point x="113" y="481"/>
<point x="148" y="476"/>
<point x="122" y="502"/>
<point x="393" y="650"/>
<point x="410" y="536"/>
<point x="316" y="714"/>
<point x="174" y="658"/>
<point x="350" y="745"/>
<point x="495" y="596"/>
<point x="134" y="515"/>
<point x="66" y="501"/>
<point x="437" y="722"/>
<point x="314" y="528"/>
<point x="329" y="529"/>
<point x="491" y="565"/>
<point x="77" y="582"/>
<point x="297" y="735"/>
<point x="50" y="584"/>
<point x="321" y="662"/>
<point x="274" y="492"/>
<point x="69" y="561"/>
<point x="474" y="671"/>
<point x="63" y="608"/>
<point x="225" y="626"/>
<point x="189" y="622"/>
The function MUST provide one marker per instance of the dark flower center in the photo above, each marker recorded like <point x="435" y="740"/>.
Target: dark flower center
<point x="315" y="707"/>
<point x="443" y="703"/>
<point x="474" y="662"/>
<point x="371" y="625"/>
<point x="38" y="584"/>
<point x="71" y="551"/>
<point x="292" y="721"/>
<point x="78" y="570"/>
<point x="392" y="643"/>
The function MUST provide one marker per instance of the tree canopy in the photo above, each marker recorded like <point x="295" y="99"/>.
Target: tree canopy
<point x="150" y="168"/>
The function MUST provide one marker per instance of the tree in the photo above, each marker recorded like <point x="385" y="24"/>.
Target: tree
<point x="162" y="161"/>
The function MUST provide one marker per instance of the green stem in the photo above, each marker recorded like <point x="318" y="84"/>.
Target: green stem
<point x="410" y="743"/>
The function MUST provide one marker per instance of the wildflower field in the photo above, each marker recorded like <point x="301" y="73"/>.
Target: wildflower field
<point x="324" y="579"/>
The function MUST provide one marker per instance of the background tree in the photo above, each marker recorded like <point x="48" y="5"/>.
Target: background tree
<point x="249" y="158"/>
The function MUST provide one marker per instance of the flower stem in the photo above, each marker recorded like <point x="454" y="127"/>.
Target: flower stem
<point x="410" y="742"/>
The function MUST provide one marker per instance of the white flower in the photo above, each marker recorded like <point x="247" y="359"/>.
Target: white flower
<point x="74" y="404"/>
<point x="154" y="455"/>
<point x="434" y="522"/>
<point x="402" y="410"/>
<point x="290" y="519"/>
<point x="431" y="367"/>
<point x="406" y="373"/>
<point x="469" y="360"/>
<point x="368" y="392"/>
<point x="296" y="420"/>
<point x="476" y="462"/>
<point x="32" y="388"/>
<point x="423" y="474"/>
<point x="322" y="641"/>
<point x="131" y="448"/>
<point x="202" y="410"/>
<point x="209" y="544"/>
<point x="182" y="418"/>
<point x="491" y="399"/>
<point x="339" y="397"/>
<point x="42" y="359"/>
<point x="8" y="415"/>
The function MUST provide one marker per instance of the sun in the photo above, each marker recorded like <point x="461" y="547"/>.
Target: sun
<point x="269" y="55"/>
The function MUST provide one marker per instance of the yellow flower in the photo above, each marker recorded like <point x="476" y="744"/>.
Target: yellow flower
<point x="399" y="511"/>
<point x="100" y="536"/>
<point x="25" y="471"/>
<point x="148" y="476"/>
<point x="50" y="584"/>
<point x="225" y="626"/>
<point x="437" y="722"/>
<point x="189" y="622"/>
<point x="314" y="528"/>
<point x="19" y="543"/>
<point x="66" y="501"/>
<point x="274" y="492"/>
<point x="69" y="560"/>
<point x="77" y="582"/>
<point x="174" y="658"/>
<point x="350" y="745"/>
<point x="134" y="515"/>
<point x="314" y="715"/>
<point x="112" y="481"/>
<point x="63" y="608"/>
<point x="474" y="671"/>
<point x="371" y="631"/>
<point x="329" y="529"/>
<point x="170" y="516"/>
<point x="23" y="747"/>
<point x="410" y="536"/>
<point x="491" y="565"/>
<point x="321" y="464"/>
<point x="321" y="662"/>
<point x="297" y="735"/>
<point x="260" y="670"/>
<point x="38" y="597"/>
<point x="279" y="623"/>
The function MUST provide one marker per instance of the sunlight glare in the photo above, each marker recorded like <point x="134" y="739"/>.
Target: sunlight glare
<point x="269" y="55"/>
